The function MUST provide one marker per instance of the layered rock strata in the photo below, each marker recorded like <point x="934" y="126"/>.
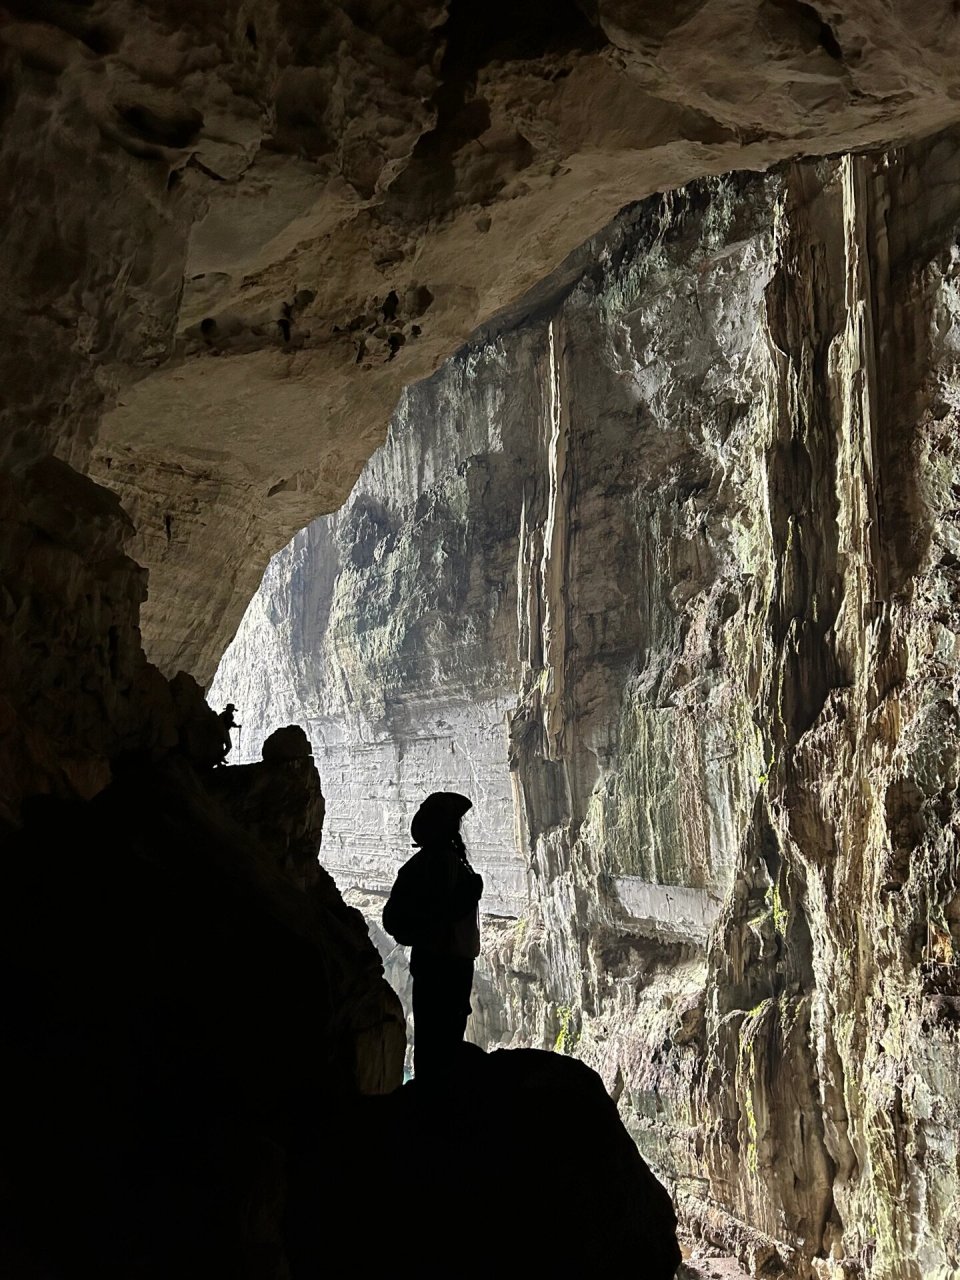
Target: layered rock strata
<point x="697" y="517"/>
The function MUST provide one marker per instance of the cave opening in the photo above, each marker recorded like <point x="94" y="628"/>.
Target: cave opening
<point x="546" y="590"/>
<point x="538" y="585"/>
<point x="658" y="561"/>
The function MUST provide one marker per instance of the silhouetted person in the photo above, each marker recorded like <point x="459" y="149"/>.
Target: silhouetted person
<point x="227" y="723"/>
<point x="433" y="908"/>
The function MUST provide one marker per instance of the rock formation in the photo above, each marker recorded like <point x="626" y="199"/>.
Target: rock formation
<point x="232" y="233"/>
<point x="528" y="1129"/>
<point x="181" y="986"/>
<point x="694" y="521"/>
<point x="244" y="223"/>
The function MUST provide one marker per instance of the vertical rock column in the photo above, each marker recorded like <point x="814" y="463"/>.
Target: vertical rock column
<point x="543" y="728"/>
<point x="864" y="766"/>
<point x="788" y="737"/>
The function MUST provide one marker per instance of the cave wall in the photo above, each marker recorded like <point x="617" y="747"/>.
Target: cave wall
<point x="233" y="232"/>
<point x="389" y="629"/>
<point x="698" y="513"/>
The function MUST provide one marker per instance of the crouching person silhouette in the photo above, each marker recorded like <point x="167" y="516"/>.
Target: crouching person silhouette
<point x="433" y="908"/>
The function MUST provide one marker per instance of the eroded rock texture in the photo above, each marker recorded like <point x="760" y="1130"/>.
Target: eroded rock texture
<point x="698" y="519"/>
<point x="232" y="233"/>
<point x="242" y="228"/>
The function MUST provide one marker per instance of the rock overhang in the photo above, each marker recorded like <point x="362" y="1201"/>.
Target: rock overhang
<point x="234" y="194"/>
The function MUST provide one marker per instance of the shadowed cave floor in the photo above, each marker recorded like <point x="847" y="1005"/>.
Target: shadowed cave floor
<point x="185" y="1109"/>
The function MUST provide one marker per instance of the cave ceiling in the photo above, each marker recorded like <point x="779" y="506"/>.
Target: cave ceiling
<point x="233" y="231"/>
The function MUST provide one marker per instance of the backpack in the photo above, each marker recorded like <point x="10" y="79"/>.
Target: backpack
<point x="402" y="913"/>
<point x="429" y="897"/>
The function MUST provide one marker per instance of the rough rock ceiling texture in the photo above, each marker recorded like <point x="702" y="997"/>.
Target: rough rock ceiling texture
<point x="242" y="227"/>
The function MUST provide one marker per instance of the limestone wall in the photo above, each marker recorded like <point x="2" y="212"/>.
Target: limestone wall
<point x="696" y="519"/>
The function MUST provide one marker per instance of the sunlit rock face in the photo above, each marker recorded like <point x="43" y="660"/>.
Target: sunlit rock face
<point x="696" y="518"/>
<point x="390" y="630"/>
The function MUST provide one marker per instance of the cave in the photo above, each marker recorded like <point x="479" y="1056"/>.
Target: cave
<point x="600" y="361"/>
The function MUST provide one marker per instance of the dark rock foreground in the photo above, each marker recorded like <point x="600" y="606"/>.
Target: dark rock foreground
<point x="523" y="1169"/>
<point x="176" y="989"/>
<point x="198" y="1049"/>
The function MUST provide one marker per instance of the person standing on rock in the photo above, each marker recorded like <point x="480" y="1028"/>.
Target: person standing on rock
<point x="227" y="722"/>
<point x="434" y="909"/>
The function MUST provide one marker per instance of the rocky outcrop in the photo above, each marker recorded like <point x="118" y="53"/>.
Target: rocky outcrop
<point x="279" y="800"/>
<point x="179" y="992"/>
<point x="77" y="690"/>
<point x="696" y="518"/>
<point x="539" y="1129"/>
<point x="241" y="229"/>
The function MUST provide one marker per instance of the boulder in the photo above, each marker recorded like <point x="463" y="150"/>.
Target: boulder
<point x="177" y="1000"/>
<point x="288" y="743"/>
<point x="524" y="1167"/>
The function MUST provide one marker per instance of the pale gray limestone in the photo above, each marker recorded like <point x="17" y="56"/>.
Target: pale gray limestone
<point x="663" y="574"/>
